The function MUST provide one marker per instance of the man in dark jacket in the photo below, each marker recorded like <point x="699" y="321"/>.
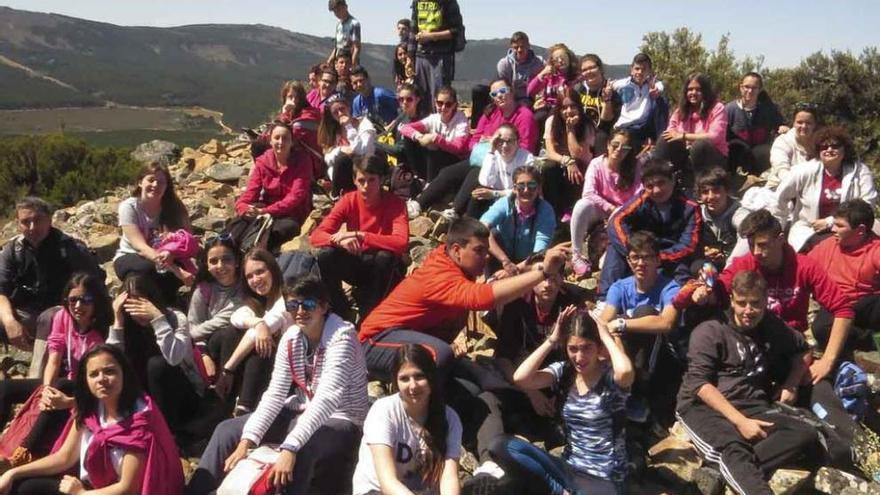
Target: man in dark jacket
<point x="673" y="218"/>
<point x="34" y="268"/>
<point x="437" y="33"/>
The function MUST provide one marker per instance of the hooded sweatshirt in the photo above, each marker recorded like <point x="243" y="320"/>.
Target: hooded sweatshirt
<point x="285" y="194"/>
<point x="522" y="118"/>
<point x="855" y="270"/>
<point x="518" y="74"/>
<point x="435" y="300"/>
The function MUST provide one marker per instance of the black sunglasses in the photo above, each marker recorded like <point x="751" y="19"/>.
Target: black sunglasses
<point x="307" y="304"/>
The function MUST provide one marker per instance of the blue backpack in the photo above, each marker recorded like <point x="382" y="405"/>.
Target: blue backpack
<point x="851" y="385"/>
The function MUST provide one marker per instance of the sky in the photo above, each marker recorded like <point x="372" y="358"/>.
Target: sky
<point x="783" y="31"/>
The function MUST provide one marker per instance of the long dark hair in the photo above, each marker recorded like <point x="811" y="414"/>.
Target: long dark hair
<point x="223" y="240"/>
<point x="102" y="315"/>
<point x="580" y="325"/>
<point x="139" y="284"/>
<point x="253" y="300"/>
<point x="627" y="173"/>
<point x="86" y="403"/>
<point x="492" y="106"/>
<point x="710" y="98"/>
<point x="584" y="124"/>
<point x="173" y="215"/>
<point x="436" y="427"/>
<point x="299" y="89"/>
<point x="330" y="128"/>
<point x="399" y="68"/>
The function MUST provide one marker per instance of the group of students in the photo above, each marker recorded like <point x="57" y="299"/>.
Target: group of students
<point x="699" y="315"/>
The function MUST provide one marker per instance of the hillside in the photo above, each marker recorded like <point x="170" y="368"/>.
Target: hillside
<point x="51" y="60"/>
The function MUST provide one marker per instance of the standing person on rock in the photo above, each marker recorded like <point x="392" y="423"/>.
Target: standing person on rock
<point x="34" y="266"/>
<point x="437" y="33"/>
<point x="152" y="211"/>
<point x="279" y="185"/>
<point x="348" y="32"/>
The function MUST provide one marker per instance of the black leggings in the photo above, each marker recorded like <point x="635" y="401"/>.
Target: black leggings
<point x="373" y="274"/>
<point x="753" y="159"/>
<point x="46" y="485"/>
<point x="701" y="155"/>
<point x="251" y="376"/>
<point x="343" y="180"/>
<point x="427" y="163"/>
<point x="167" y="282"/>
<point x="461" y="178"/>
<point x="560" y="192"/>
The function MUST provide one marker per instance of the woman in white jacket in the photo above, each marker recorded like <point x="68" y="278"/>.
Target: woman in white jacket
<point x="343" y="139"/>
<point x="811" y="192"/>
<point x="795" y="146"/>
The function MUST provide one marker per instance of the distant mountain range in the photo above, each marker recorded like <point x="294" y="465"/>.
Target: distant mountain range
<point x="50" y="61"/>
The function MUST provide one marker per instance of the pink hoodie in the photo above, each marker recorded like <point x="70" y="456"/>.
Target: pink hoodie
<point x="66" y="340"/>
<point x="715" y="125"/>
<point x="522" y="118"/>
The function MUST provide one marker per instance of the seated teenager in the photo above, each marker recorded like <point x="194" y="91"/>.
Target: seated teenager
<point x="568" y="150"/>
<point x="412" y="440"/>
<point x="600" y="102"/>
<point x="506" y="109"/>
<point x="753" y="122"/>
<point x="303" y="119"/>
<point x="519" y="225"/>
<point x="374" y="102"/>
<point x="593" y="384"/>
<point x="152" y="211"/>
<point x="118" y="441"/>
<point x="314" y="407"/>
<point x="326" y="87"/>
<point x="696" y="137"/>
<point x="610" y="180"/>
<point x="559" y="73"/>
<point x="215" y="297"/>
<point x="793" y="279"/>
<point x="257" y="323"/>
<point x="80" y="325"/>
<point x="643" y="110"/>
<point x="156" y="339"/>
<point x="440" y="139"/>
<point x="279" y="185"/>
<point x="523" y="326"/>
<point x="392" y="143"/>
<point x="672" y="217"/>
<point x="738" y="365"/>
<point x="430" y="306"/>
<point x="639" y="309"/>
<point x="851" y="258"/>
<point x="795" y="146"/>
<point x="367" y="254"/>
<point x="344" y="139"/>
<point x="811" y="192"/>
<point x="718" y="237"/>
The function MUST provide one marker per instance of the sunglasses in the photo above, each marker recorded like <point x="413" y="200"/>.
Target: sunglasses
<point x="406" y="99"/>
<point x="444" y="104"/>
<point x="72" y="300"/>
<point x="215" y="238"/>
<point x="624" y="147"/>
<point x="307" y="304"/>
<point x="500" y="92"/>
<point x="830" y="146"/>
<point x="805" y="106"/>
<point x="522" y="186"/>
<point x="503" y="141"/>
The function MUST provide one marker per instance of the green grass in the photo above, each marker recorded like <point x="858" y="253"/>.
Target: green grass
<point x="132" y="138"/>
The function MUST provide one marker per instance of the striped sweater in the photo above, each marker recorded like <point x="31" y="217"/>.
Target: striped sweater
<point x="338" y="388"/>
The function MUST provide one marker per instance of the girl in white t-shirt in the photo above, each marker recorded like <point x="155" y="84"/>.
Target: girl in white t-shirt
<point x="412" y="440"/>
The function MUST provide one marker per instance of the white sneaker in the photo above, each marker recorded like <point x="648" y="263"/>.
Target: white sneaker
<point x="413" y="209"/>
<point x="490" y="468"/>
<point x="449" y="214"/>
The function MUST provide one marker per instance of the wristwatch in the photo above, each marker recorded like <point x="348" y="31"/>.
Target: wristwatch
<point x="621" y="326"/>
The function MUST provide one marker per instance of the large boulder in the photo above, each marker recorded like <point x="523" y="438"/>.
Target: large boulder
<point x="225" y="172"/>
<point x="164" y="152"/>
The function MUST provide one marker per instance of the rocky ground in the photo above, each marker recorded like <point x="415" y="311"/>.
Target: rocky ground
<point x="208" y="180"/>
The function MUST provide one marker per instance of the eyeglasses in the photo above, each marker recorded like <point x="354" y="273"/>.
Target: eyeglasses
<point x="216" y="238"/>
<point x="522" y="186"/>
<point x="406" y="99"/>
<point x="499" y="92"/>
<point x="72" y="300"/>
<point x="444" y="104"/>
<point x="503" y="141"/>
<point x="307" y="304"/>
<point x="622" y="147"/>
<point x="640" y="258"/>
<point x="830" y="146"/>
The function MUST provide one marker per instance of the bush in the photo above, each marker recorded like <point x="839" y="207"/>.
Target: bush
<point x="60" y="169"/>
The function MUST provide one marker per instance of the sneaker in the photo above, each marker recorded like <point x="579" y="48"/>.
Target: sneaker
<point x="413" y="209"/>
<point x="449" y="214"/>
<point x="581" y="265"/>
<point x="490" y="468"/>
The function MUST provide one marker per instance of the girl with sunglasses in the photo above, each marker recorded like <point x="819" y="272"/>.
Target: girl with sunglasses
<point x="117" y="440"/>
<point x="568" y="148"/>
<point x="440" y="139"/>
<point x="344" y="139"/>
<point x="412" y="439"/>
<point x="80" y="325"/>
<point x="262" y="316"/>
<point x="811" y="192"/>
<point x="155" y="338"/>
<point x="521" y="224"/>
<point x="611" y="179"/>
<point x="314" y="407"/>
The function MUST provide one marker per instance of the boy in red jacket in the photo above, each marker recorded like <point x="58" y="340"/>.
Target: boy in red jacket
<point x="852" y="260"/>
<point x="368" y="253"/>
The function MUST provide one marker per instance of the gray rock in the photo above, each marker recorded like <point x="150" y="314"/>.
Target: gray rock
<point x="208" y="224"/>
<point x="833" y="481"/>
<point x="225" y="172"/>
<point x="788" y="481"/>
<point x="164" y="152"/>
<point x="104" y="246"/>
